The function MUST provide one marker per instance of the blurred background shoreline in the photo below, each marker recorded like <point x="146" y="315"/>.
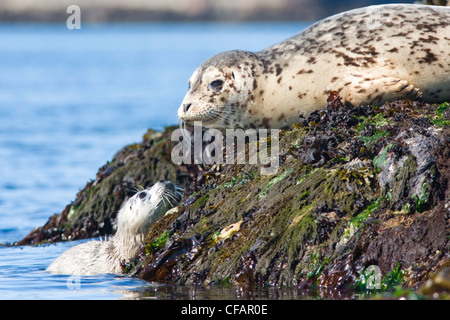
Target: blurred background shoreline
<point x="95" y="11"/>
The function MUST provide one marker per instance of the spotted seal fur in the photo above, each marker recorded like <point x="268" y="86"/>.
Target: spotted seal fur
<point x="369" y="55"/>
<point x="133" y="221"/>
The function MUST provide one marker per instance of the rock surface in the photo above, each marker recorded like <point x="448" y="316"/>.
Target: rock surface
<point x="357" y="188"/>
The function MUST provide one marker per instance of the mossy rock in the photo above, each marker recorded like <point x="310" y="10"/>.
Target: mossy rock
<point x="319" y="221"/>
<point x="356" y="187"/>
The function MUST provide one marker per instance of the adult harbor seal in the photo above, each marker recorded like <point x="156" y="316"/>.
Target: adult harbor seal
<point x="133" y="221"/>
<point x="369" y="55"/>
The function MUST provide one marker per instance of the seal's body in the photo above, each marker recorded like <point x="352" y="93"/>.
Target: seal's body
<point x="134" y="220"/>
<point x="369" y="55"/>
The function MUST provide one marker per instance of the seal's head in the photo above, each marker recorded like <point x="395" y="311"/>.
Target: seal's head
<point x="147" y="206"/>
<point x="221" y="89"/>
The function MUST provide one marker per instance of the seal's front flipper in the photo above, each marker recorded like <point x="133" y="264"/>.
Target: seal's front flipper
<point x="397" y="89"/>
<point x="377" y="91"/>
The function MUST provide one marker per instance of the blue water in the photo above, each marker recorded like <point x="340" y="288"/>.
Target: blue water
<point x="70" y="99"/>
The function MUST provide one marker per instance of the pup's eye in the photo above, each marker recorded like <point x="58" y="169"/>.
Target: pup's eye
<point x="216" y="85"/>
<point x="142" y="195"/>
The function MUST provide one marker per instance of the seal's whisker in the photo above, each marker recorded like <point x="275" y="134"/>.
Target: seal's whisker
<point x="171" y="196"/>
<point x="175" y="197"/>
<point x="136" y="189"/>
<point x="173" y="202"/>
<point x="230" y="110"/>
<point x="227" y="116"/>
<point x="165" y="200"/>
<point x="179" y="190"/>
<point x="167" y="194"/>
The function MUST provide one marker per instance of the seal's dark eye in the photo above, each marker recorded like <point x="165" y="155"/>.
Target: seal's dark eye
<point x="142" y="195"/>
<point x="216" y="85"/>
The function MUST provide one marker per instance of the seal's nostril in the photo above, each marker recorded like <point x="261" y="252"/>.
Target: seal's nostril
<point x="186" y="106"/>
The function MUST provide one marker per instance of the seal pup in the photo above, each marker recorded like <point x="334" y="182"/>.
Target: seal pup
<point x="369" y="55"/>
<point x="133" y="221"/>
